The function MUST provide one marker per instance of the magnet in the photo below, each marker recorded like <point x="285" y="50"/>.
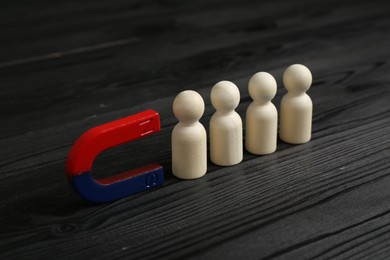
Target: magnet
<point x="106" y="136"/>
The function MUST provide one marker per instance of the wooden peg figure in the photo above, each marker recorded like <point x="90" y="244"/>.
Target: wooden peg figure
<point x="261" y="115"/>
<point x="225" y="125"/>
<point x="189" y="139"/>
<point x="296" y="106"/>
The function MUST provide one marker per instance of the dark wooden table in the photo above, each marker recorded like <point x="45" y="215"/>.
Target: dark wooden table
<point x="66" y="66"/>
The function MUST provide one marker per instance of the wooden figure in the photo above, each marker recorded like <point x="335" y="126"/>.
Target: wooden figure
<point x="261" y="115"/>
<point x="189" y="139"/>
<point x="225" y="125"/>
<point x="296" y="106"/>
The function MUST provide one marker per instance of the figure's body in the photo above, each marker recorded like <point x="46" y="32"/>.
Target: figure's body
<point x="296" y="106"/>
<point x="189" y="139"/>
<point x="261" y="115"/>
<point x="225" y="125"/>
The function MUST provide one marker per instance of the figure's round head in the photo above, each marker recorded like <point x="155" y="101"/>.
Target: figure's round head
<point x="188" y="106"/>
<point x="297" y="78"/>
<point x="225" y="96"/>
<point x="262" y="87"/>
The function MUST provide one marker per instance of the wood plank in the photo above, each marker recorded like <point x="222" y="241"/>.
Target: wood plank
<point x="69" y="66"/>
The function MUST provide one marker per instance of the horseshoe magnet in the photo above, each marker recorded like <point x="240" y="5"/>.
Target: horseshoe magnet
<point x="101" y="138"/>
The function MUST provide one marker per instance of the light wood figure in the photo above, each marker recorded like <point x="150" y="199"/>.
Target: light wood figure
<point x="189" y="138"/>
<point x="296" y="106"/>
<point x="261" y="115"/>
<point x="225" y="125"/>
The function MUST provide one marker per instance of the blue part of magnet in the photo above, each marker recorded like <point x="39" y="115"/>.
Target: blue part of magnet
<point x="114" y="188"/>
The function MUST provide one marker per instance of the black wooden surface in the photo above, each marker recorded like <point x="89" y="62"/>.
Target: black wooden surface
<point x="66" y="66"/>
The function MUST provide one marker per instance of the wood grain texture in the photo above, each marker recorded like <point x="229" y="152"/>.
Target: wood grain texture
<point x="68" y="66"/>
